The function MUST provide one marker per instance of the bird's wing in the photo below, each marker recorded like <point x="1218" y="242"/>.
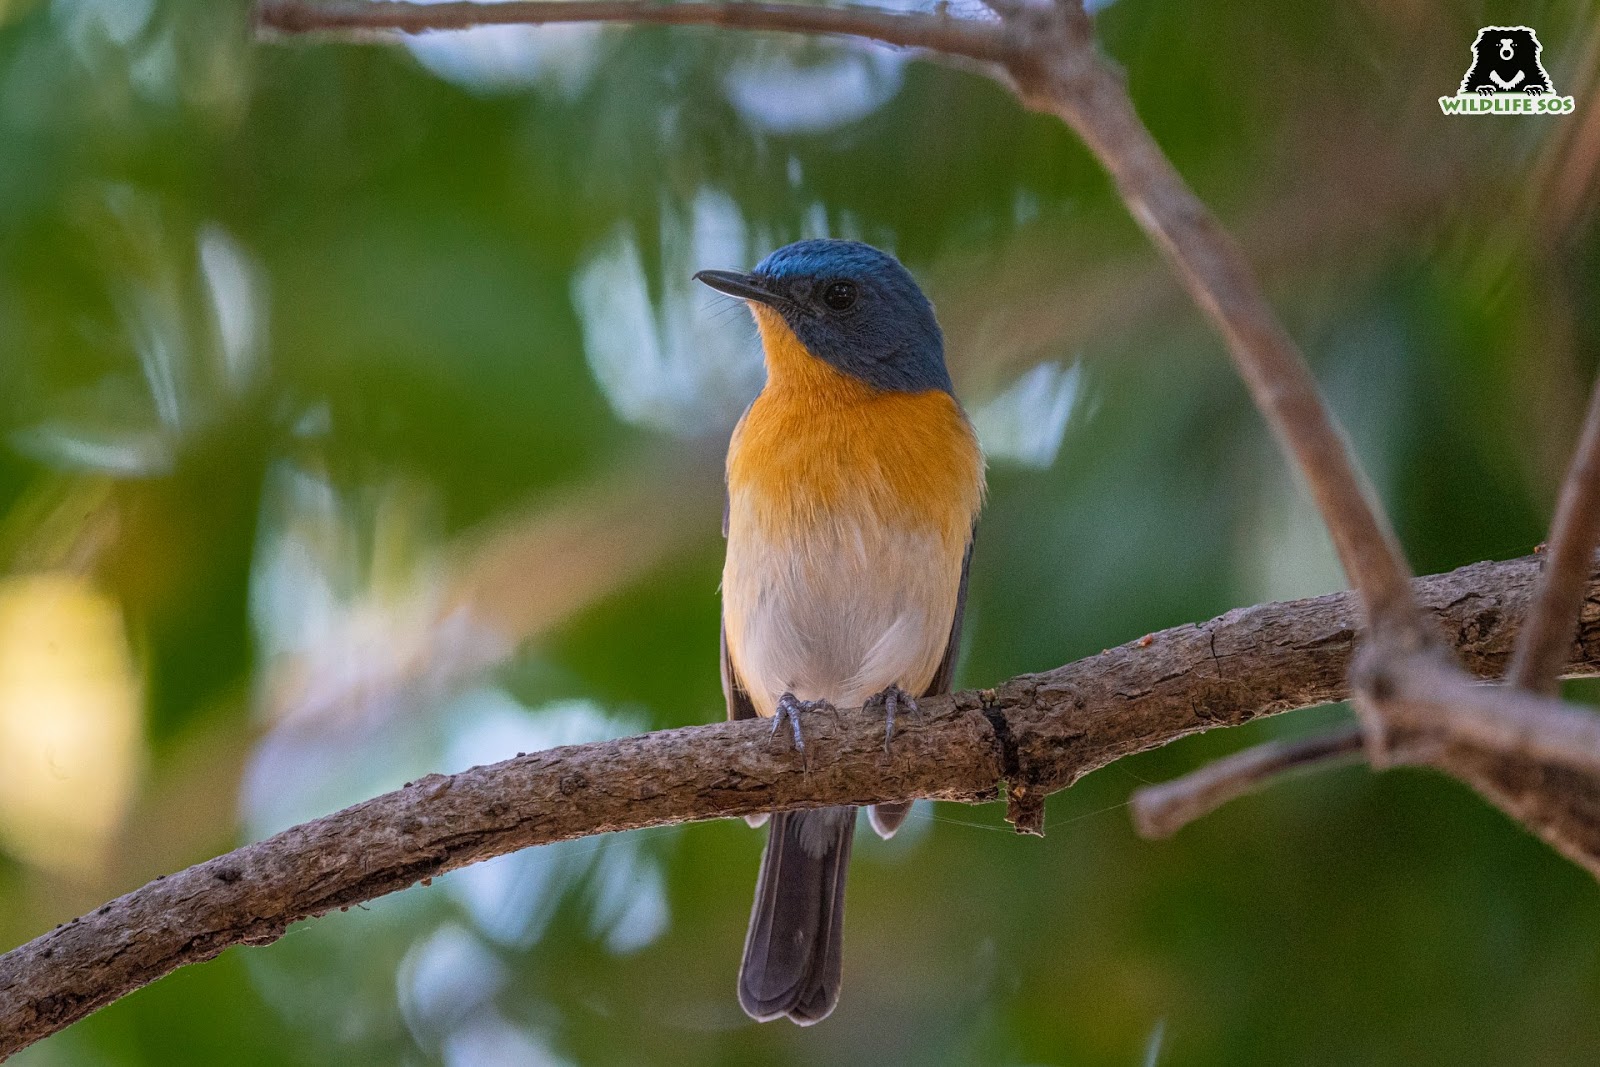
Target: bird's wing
<point x="739" y="705"/>
<point x="946" y="674"/>
<point x="886" y="818"/>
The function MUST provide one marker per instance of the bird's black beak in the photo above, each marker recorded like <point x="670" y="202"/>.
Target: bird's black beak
<point x="743" y="286"/>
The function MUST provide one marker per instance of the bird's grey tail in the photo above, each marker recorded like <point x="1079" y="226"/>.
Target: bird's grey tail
<point x="792" y="952"/>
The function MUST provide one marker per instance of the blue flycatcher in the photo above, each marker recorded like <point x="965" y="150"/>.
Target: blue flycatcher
<point x="854" y="481"/>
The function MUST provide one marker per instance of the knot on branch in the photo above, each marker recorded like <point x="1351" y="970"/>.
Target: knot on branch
<point x="1048" y="50"/>
<point x="1024" y="799"/>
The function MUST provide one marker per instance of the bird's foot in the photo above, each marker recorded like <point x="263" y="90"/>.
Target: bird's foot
<point x="893" y="700"/>
<point x="789" y="709"/>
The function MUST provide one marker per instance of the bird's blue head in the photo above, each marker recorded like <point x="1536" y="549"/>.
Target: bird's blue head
<point x="853" y="307"/>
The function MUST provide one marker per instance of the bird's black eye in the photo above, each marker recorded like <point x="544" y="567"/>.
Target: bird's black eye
<point x="840" y="296"/>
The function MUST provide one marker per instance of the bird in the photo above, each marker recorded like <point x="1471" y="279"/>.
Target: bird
<point x="854" y="483"/>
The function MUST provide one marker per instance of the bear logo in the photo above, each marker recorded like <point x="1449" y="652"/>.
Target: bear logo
<point x="1505" y="59"/>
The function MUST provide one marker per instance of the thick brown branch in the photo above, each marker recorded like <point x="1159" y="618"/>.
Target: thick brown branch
<point x="1037" y="733"/>
<point x="1162" y="810"/>
<point x="1574" y="534"/>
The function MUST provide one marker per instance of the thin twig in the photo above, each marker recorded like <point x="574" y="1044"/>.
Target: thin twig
<point x="970" y="38"/>
<point x="1573" y="536"/>
<point x="1036" y="733"/>
<point x="1162" y="810"/>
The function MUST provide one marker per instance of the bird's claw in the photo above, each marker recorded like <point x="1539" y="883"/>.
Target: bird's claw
<point x="789" y="708"/>
<point x="892" y="700"/>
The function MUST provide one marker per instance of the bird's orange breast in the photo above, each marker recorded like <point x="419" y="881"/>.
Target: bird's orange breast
<point x="818" y="443"/>
<point x="850" y="509"/>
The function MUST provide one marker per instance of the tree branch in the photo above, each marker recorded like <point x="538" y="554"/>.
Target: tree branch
<point x="1432" y="702"/>
<point x="1162" y="810"/>
<point x="1035" y="734"/>
<point x="1559" y="804"/>
<point x="967" y="38"/>
<point x="1573" y="537"/>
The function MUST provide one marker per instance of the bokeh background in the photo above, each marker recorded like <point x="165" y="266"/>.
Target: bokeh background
<point x="358" y="419"/>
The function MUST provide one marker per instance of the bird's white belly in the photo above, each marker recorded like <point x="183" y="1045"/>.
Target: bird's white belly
<point x="840" y="612"/>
